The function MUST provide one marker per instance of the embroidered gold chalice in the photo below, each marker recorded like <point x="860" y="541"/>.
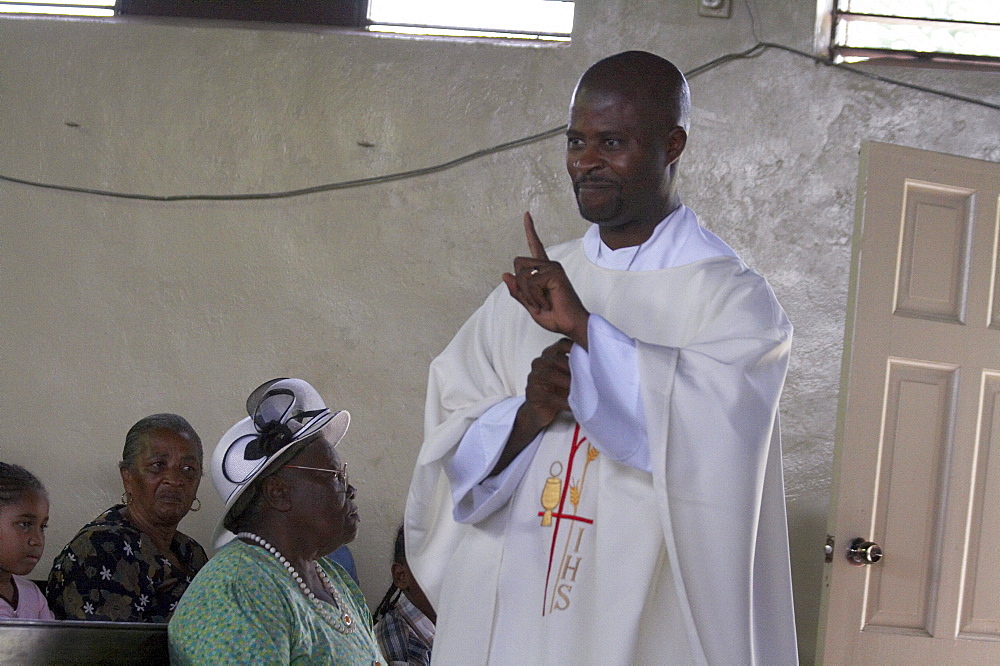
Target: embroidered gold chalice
<point x="551" y="492"/>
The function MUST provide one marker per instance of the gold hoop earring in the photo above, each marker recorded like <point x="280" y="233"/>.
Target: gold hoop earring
<point x="199" y="504"/>
<point x="126" y="498"/>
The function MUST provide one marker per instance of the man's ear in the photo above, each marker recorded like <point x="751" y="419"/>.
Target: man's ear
<point x="676" y="140"/>
<point x="401" y="575"/>
<point x="276" y="493"/>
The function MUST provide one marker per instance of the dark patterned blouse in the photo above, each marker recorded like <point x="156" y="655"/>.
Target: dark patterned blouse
<point x="111" y="571"/>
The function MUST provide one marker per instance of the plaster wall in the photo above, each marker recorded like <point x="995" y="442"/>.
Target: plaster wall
<point x="114" y="308"/>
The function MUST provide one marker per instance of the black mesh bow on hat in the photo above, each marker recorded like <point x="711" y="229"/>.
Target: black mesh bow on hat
<point x="281" y="416"/>
<point x="274" y="415"/>
<point x="280" y="412"/>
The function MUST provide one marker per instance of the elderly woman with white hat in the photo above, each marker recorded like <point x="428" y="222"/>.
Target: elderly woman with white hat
<point x="269" y="595"/>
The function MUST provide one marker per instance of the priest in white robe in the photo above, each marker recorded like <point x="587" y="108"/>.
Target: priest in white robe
<point x="600" y="481"/>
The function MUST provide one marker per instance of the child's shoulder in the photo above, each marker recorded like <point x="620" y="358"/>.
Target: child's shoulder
<point x="31" y="604"/>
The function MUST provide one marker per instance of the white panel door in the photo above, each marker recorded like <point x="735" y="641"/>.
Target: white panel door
<point x="917" y="464"/>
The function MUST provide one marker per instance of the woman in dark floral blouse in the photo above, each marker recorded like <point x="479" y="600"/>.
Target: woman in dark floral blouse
<point x="131" y="564"/>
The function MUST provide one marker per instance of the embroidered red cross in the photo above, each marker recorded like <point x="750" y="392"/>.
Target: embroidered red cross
<point x="559" y="515"/>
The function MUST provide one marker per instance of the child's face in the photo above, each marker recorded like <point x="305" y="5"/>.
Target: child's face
<point x="22" y="533"/>
<point x="402" y="577"/>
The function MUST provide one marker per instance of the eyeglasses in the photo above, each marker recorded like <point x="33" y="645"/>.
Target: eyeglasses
<point x="339" y="473"/>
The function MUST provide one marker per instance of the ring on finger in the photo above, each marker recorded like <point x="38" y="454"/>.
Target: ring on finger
<point x="533" y="271"/>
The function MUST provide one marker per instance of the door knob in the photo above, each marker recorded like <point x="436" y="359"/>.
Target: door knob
<point x="863" y="552"/>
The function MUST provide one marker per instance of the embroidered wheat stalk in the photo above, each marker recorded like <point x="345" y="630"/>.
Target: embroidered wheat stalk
<point x="574" y="496"/>
<point x="592" y="454"/>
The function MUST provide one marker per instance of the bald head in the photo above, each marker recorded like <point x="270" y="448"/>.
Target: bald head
<point x="647" y="81"/>
<point x="627" y="130"/>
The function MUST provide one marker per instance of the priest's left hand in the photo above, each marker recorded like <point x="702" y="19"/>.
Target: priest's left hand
<point x="544" y="289"/>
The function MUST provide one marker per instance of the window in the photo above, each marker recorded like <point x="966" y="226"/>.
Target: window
<point x="321" y="12"/>
<point x="962" y="30"/>
<point x="316" y="12"/>
<point x="550" y="20"/>
<point x="524" y="19"/>
<point x="61" y="7"/>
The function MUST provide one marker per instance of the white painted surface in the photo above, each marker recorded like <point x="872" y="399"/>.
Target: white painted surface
<point x="916" y="464"/>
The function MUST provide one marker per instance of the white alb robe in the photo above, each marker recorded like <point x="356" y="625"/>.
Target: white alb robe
<point x="688" y="564"/>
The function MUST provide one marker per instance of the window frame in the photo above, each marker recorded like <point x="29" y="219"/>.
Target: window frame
<point x="350" y="14"/>
<point x="328" y="13"/>
<point x="342" y="13"/>
<point x="113" y="8"/>
<point x="827" y="14"/>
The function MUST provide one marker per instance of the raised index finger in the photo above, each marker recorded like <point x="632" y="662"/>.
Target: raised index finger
<point x="534" y="242"/>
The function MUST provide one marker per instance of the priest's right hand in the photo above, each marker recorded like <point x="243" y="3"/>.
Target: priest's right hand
<point x="545" y="291"/>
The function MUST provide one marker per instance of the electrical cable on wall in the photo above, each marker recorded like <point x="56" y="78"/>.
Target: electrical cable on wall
<point x="754" y="51"/>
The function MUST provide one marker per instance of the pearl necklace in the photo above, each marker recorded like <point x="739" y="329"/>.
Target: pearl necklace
<point x="343" y="623"/>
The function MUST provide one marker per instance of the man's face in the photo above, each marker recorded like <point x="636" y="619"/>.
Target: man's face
<point x="617" y="159"/>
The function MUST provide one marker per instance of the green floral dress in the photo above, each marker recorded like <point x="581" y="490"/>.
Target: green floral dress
<point x="244" y="608"/>
<point x="111" y="571"/>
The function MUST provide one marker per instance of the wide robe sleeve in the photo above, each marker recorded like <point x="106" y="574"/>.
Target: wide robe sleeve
<point x="711" y="408"/>
<point x="465" y="380"/>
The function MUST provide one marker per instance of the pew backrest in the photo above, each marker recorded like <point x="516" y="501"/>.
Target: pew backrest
<point x="27" y="642"/>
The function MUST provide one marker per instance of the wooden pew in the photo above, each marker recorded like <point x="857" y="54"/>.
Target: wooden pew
<point x="28" y="642"/>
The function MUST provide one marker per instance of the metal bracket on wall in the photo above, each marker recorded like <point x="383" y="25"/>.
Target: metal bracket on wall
<point x="715" y="8"/>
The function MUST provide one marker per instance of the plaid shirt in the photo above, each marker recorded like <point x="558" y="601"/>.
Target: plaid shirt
<point x="405" y="635"/>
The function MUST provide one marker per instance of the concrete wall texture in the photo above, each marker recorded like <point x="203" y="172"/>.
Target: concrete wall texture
<point x="114" y="308"/>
